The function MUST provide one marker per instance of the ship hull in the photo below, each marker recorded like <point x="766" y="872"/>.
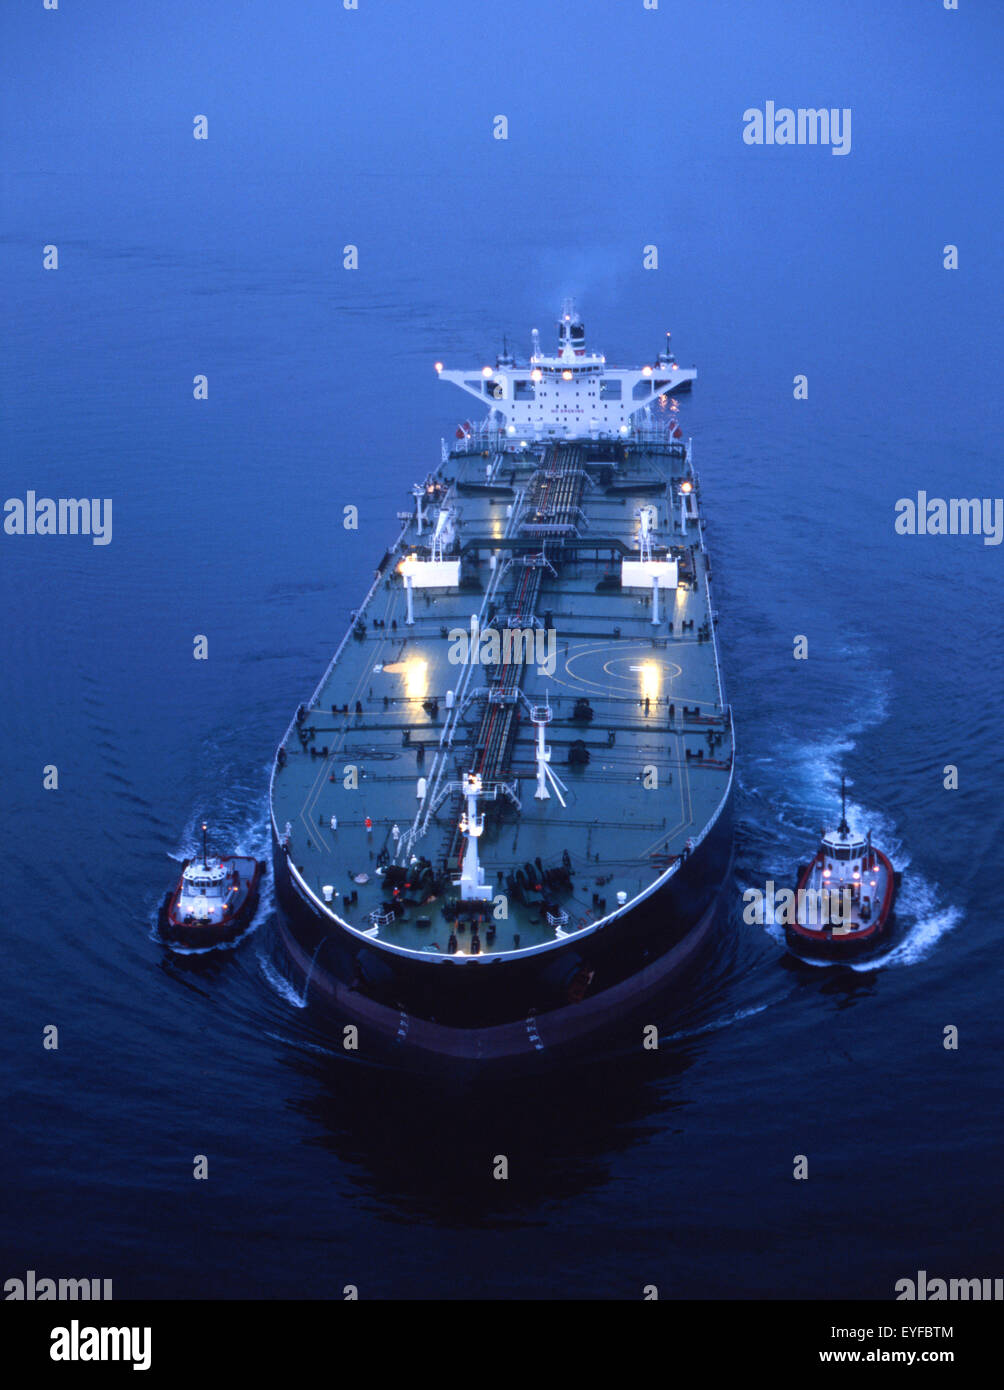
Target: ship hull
<point x="508" y="800"/>
<point x="457" y="1008"/>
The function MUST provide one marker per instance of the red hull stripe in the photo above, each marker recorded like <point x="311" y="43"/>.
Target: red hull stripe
<point x="867" y="932"/>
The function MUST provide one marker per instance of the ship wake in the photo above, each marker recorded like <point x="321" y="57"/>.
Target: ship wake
<point x="794" y="792"/>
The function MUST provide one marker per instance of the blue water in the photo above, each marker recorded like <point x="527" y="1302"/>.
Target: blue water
<point x="224" y="257"/>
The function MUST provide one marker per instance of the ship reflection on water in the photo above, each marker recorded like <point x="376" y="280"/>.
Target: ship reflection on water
<point x="423" y="1140"/>
<point x="421" y="1148"/>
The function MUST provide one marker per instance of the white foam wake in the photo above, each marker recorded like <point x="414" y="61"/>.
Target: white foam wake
<point x="304" y="1045"/>
<point x="279" y="983"/>
<point x="715" y="1024"/>
<point x="923" y="921"/>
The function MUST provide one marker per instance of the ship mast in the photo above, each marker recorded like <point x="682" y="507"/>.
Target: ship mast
<point x="843" y="828"/>
<point x="541" y="716"/>
<point x="472" y="876"/>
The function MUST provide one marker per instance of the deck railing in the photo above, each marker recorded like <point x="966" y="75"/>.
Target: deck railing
<point x="485" y="439"/>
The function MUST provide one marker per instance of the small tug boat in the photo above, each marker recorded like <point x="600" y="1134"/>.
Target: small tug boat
<point x="845" y="896"/>
<point x="214" y="901"/>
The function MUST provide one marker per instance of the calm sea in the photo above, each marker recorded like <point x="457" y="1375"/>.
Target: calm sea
<point x="225" y="258"/>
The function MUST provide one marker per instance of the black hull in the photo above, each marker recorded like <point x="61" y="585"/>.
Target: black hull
<point x="464" y="1001"/>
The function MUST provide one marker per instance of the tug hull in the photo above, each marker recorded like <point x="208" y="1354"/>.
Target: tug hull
<point x="863" y="939"/>
<point x="195" y="934"/>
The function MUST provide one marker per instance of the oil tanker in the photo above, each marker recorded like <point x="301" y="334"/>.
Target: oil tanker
<point x="503" y="817"/>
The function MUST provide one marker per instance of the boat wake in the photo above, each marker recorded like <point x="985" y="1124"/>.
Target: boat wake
<point x="716" y="1024"/>
<point x="917" y="904"/>
<point x="238" y="824"/>
<point x="278" y="982"/>
<point x="787" y="816"/>
<point x="304" y="1046"/>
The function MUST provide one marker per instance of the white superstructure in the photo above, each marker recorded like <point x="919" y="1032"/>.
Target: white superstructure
<point x="206" y="888"/>
<point x="570" y="393"/>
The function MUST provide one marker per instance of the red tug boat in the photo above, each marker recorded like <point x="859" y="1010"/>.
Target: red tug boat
<point x="213" y="902"/>
<point x="845" y="896"/>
